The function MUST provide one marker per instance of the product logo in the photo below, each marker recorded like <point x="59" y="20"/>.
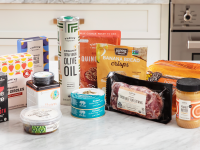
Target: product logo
<point x="26" y="73"/>
<point x="12" y="80"/>
<point x="82" y="103"/>
<point x="82" y="113"/>
<point x="72" y="27"/>
<point x="2" y="79"/>
<point x="135" y="52"/>
<point x="131" y="93"/>
<point x="121" y="51"/>
<point x="54" y="94"/>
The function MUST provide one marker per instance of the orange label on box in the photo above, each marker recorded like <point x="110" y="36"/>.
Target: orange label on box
<point x="168" y="80"/>
<point x="187" y="110"/>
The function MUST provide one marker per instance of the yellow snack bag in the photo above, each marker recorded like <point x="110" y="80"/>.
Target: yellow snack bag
<point x="129" y="61"/>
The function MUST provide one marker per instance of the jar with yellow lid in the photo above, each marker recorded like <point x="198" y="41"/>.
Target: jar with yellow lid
<point x="188" y="102"/>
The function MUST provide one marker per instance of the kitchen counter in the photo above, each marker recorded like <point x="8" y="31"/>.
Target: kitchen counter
<point x="114" y="131"/>
<point x="89" y="1"/>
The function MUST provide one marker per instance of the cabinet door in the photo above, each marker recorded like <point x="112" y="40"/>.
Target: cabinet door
<point x="153" y="53"/>
<point x="28" y="20"/>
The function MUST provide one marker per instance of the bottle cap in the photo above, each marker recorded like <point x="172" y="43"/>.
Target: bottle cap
<point x="188" y="84"/>
<point x="43" y="78"/>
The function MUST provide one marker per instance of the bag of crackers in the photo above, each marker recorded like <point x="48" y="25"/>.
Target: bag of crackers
<point x="124" y="60"/>
<point x="88" y="64"/>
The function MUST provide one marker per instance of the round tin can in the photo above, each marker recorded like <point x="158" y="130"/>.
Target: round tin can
<point x="88" y="113"/>
<point x="87" y="98"/>
<point x="69" y="56"/>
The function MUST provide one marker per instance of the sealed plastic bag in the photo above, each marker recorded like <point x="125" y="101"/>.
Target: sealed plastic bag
<point x="150" y="100"/>
<point x="125" y="60"/>
<point x="88" y="64"/>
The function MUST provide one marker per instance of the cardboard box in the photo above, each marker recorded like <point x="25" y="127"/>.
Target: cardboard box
<point x="3" y="98"/>
<point x="19" y="69"/>
<point x="39" y="48"/>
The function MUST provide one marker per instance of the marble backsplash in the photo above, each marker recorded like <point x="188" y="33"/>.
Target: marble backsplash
<point x="89" y="1"/>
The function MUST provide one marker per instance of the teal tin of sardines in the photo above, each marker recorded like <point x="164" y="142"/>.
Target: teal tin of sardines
<point x="88" y="113"/>
<point x="87" y="98"/>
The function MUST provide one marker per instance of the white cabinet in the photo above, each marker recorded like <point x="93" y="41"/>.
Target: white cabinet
<point x="139" y="24"/>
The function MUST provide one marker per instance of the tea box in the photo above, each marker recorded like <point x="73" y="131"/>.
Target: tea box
<point x="39" y="48"/>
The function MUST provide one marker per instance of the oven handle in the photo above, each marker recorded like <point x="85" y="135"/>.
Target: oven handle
<point x="193" y="44"/>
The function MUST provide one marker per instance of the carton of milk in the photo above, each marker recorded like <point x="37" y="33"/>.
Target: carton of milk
<point x="39" y="48"/>
<point x="19" y="69"/>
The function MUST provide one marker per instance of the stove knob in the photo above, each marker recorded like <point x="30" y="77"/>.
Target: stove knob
<point x="187" y="16"/>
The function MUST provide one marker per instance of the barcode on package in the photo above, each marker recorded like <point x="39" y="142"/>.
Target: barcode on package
<point x="36" y="59"/>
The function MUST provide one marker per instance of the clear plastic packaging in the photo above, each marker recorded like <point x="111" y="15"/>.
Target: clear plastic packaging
<point x="149" y="100"/>
<point x="40" y="120"/>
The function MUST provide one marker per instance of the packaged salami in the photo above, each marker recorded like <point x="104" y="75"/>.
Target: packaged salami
<point x="88" y="64"/>
<point x="145" y="99"/>
<point x="125" y="60"/>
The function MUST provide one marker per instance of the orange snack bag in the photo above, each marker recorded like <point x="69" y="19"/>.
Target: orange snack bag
<point x="88" y="64"/>
<point x="170" y="71"/>
<point x="128" y="61"/>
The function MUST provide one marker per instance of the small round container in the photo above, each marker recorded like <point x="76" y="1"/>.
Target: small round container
<point x="88" y="113"/>
<point x="40" y="120"/>
<point x="43" y="78"/>
<point x="87" y="98"/>
<point x="188" y="102"/>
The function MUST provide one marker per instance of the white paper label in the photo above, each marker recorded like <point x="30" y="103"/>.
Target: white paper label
<point x="36" y="49"/>
<point x="49" y="97"/>
<point x="131" y="100"/>
<point x="41" y="114"/>
<point x="184" y="110"/>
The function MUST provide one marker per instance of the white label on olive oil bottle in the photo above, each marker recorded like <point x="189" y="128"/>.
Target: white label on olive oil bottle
<point x="69" y="60"/>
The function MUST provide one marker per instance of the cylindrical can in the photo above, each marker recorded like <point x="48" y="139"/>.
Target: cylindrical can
<point x="59" y="29"/>
<point x="88" y="113"/>
<point x="69" y="66"/>
<point x="87" y="98"/>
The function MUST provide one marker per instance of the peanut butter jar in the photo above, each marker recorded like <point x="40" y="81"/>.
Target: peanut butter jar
<point x="188" y="102"/>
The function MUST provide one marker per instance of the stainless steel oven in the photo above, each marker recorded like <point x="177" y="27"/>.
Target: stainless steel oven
<point x="184" y="30"/>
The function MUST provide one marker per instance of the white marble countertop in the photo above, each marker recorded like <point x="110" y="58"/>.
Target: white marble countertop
<point x="114" y="131"/>
<point x="89" y="1"/>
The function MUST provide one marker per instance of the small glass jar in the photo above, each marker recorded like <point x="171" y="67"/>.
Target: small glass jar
<point x="188" y="103"/>
<point x="43" y="90"/>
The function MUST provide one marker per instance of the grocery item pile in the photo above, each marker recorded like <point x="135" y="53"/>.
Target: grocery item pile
<point x="95" y="73"/>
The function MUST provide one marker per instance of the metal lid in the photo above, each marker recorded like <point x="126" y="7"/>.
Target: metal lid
<point x="68" y="18"/>
<point x="43" y="78"/>
<point x="188" y="84"/>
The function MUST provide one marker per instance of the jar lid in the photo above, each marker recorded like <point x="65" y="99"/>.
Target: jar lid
<point x="38" y="116"/>
<point x="188" y="84"/>
<point x="89" y="91"/>
<point x="43" y="78"/>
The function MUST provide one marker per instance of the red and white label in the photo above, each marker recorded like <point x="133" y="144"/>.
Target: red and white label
<point x="187" y="110"/>
<point x="27" y="73"/>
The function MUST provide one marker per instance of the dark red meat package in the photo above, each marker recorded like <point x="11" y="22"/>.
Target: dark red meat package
<point x="149" y="100"/>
